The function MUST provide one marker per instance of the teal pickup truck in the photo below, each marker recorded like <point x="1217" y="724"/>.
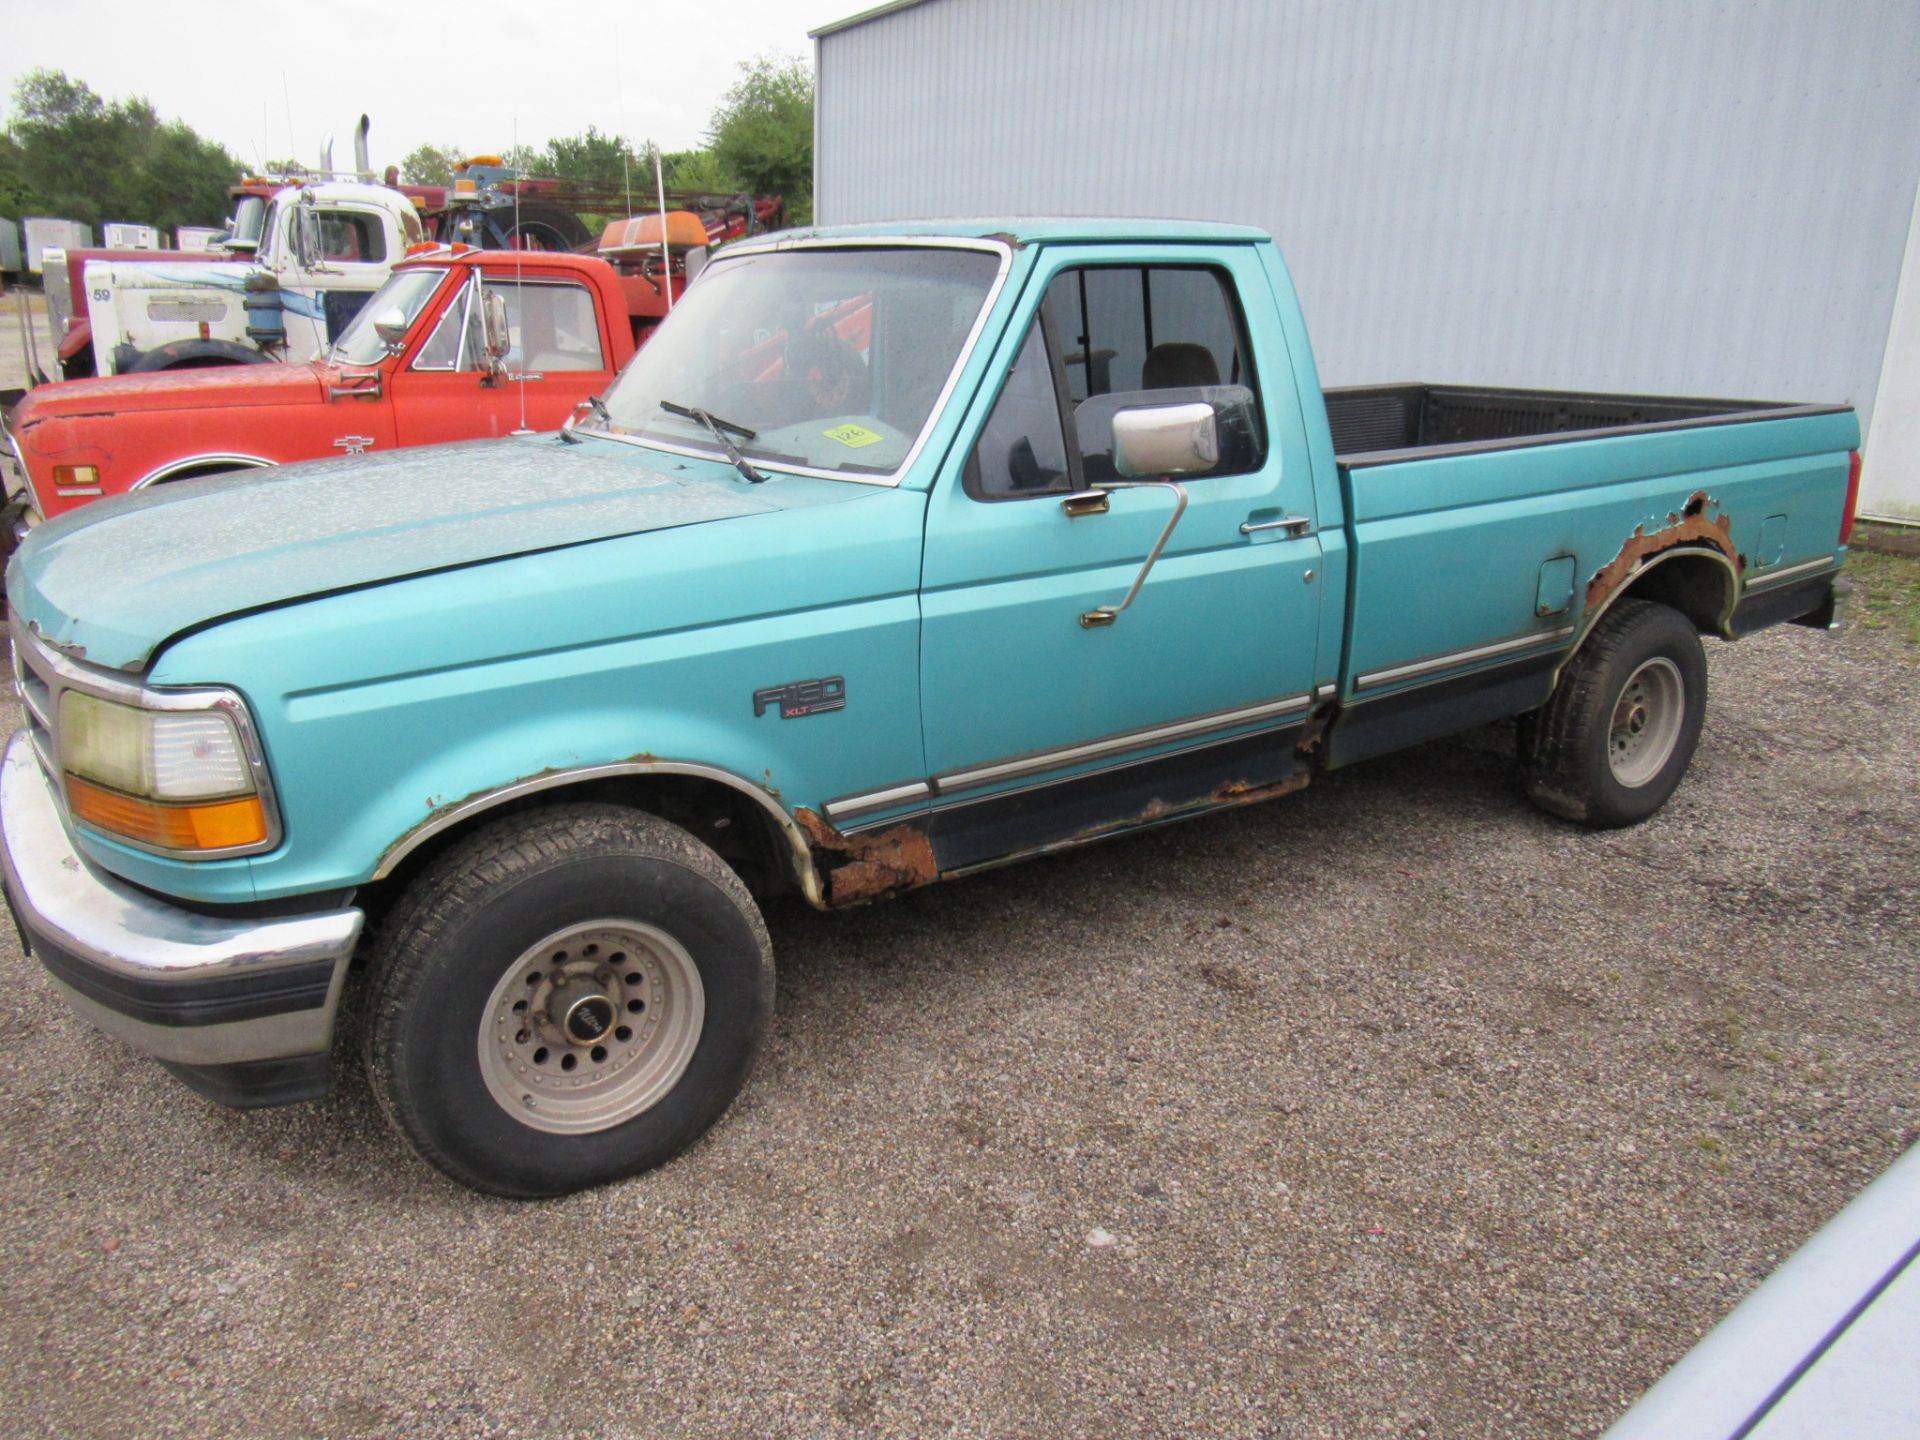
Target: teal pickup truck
<point x="899" y="553"/>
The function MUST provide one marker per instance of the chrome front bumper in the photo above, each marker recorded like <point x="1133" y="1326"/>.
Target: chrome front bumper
<point x="241" y="1009"/>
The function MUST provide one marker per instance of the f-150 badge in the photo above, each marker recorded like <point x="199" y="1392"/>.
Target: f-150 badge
<point x="802" y="697"/>
<point x="353" y="444"/>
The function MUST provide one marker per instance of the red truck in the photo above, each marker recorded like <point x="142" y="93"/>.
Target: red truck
<point x="458" y="344"/>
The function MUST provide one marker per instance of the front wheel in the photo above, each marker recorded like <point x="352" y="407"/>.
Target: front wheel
<point x="1615" y="738"/>
<point x="568" y="997"/>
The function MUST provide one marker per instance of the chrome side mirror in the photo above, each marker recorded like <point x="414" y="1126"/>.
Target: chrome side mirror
<point x="499" y="334"/>
<point x="391" y="326"/>
<point x="1165" y="440"/>
<point x="306" y="234"/>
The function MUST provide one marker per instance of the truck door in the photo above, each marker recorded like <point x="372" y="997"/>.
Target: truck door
<point x="560" y="356"/>
<point x="347" y="257"/>
<point x="1046" y="714"/>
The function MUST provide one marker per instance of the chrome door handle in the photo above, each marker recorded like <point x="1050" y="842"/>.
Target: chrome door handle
<point x="1295" y="526"/>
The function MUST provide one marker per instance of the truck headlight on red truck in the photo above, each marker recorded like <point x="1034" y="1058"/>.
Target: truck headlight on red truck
<point x="177" y="781"/>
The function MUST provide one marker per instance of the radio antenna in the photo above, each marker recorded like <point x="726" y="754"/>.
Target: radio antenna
<point x="666" y="255"/>
<point x="520" y="290"/>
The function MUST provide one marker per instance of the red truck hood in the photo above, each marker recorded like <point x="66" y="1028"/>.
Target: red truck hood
<point x="213" y="388"/>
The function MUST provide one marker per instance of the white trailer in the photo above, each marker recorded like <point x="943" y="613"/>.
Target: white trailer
<point x="40" y="233"/>
<point x="118" y="236"/>
<point x="197" y="237"/>
<point x="9" y="247"/>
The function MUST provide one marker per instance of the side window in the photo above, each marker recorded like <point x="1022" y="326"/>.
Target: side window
<point x="443" y="348"/>
<point x="1022" y="450"/>
<point x="1139" y="335"/>
<point x="352" y="236"/>
<point x="554" y="327"/>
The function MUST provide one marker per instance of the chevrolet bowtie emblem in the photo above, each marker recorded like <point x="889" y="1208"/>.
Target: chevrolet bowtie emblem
<point x="353" y="444"/>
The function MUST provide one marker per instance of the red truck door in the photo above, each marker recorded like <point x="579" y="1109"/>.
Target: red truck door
<point x="559" y="357"/>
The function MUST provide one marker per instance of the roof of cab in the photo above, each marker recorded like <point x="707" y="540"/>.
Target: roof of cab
<point x="502" y="259"/>
<point x="1029" y="230"/>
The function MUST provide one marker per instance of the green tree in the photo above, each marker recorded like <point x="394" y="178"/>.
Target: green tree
<point x="594" y="161"/>
<point x="763" y="131"/>
<point x="73" y="154"/>
<point x="697" y="171"/>
<point x="16" y="195"/>
<point x="430" y="165"/>
<point x="523" y="158"/>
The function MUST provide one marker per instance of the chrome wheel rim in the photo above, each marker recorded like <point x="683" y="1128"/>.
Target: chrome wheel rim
<point x="591" y="1026"/>
<point x="1646" y="722"/>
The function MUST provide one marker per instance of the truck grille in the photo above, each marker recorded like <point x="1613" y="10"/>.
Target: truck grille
<point x="36" y="680"/>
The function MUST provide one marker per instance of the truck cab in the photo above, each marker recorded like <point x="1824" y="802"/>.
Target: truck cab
<point x="412" y="368"/>
<point x="321" y="251"/>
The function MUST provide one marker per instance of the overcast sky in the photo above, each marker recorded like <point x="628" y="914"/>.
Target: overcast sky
<point x="460" y="74"/>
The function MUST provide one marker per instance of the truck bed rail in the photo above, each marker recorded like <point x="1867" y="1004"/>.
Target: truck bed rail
<point x="1382" y="424"/>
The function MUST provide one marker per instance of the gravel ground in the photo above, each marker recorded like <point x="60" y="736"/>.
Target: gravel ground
<point x="1410" y="1112"/>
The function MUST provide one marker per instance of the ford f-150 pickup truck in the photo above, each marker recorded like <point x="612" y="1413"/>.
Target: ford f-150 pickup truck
<point x="412" y="368"/>
<point x="897" y="553"/>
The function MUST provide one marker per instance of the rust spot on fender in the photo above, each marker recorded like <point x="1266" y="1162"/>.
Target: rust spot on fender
<point x="1689" y="525"/>
<point x="864" y="867"/>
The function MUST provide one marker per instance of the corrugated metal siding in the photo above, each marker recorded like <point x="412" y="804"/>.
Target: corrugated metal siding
<point x="1644" y="195"/>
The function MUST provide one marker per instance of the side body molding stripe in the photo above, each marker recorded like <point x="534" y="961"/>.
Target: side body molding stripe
<point x="955" y="782"/>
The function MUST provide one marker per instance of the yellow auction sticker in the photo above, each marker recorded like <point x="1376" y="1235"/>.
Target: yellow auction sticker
<point x="853" y="436"/>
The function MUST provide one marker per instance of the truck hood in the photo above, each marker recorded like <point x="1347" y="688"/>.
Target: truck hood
<point x="112" y="582"/>
<point x="218" y="387"/>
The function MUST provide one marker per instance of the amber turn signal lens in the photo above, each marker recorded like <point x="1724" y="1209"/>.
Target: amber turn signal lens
<point x="70" y="475"/>
<point x="207" y="825"/>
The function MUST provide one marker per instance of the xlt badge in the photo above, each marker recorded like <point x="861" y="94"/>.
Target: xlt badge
<point x="803" y="697"/>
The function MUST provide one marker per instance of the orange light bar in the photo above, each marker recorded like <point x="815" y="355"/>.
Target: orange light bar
<point x="205" y="825"/>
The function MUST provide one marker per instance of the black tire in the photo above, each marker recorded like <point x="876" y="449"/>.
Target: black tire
<point x="479" y="914"/>
<point x="193" y="355"/>
<point x="543" y="225"/>
<point x="1599" y="751"/>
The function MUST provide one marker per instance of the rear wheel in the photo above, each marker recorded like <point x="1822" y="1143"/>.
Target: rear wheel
<point x="541" y="225"/>
<point x="1617" y="735"/>
<point x="570" y="996"/>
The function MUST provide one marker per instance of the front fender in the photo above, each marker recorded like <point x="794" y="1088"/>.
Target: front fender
<point x="385" y="709"/>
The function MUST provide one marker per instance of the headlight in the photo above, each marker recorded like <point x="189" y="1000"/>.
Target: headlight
<point x="175" y="780"/>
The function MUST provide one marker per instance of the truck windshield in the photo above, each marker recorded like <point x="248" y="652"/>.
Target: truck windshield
<point x="248" y="218"/>
<point x="824" y="360"/>
<point x="395" y="304"/>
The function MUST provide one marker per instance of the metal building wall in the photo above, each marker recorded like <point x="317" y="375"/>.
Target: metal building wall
<point x="1642" y="195"/>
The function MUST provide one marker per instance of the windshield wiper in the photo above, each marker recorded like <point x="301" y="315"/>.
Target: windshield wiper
<point x="593" y="402"/>
<point x="718" y="428"/>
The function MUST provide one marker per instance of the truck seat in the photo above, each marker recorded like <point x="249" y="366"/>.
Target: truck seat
<point x="1179" y="365"/>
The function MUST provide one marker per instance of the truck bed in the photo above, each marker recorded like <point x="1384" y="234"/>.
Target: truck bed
<point x="1383" y="424"/>
<point x="1477" y="520"/>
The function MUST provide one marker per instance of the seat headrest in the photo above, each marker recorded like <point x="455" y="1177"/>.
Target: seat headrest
<point x="1179" y="365"/>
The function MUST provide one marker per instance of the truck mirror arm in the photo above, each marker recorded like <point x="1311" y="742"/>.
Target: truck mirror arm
<point x="1107" y="614"/>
